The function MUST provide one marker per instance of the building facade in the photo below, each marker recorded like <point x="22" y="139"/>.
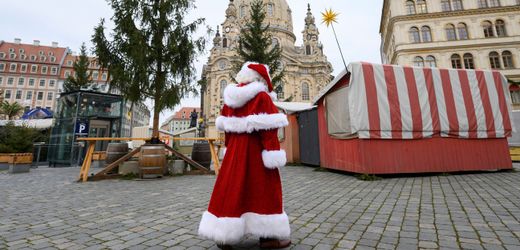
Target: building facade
<point x="29" y="73"/>
<point x="180" y="120"/>
<point x="306" y="68"/>
<point x="465" y="34"/>
<point x="33" y="75"/>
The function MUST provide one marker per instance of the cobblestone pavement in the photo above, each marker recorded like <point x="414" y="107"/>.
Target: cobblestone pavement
<point x="46" y="209"/>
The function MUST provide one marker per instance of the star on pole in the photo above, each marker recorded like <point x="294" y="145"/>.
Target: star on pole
<point x="329" y="18"/>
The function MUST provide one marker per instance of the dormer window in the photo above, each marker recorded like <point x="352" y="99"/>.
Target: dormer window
<point x="270" y="8"/>
<point x="11" y="50"/>
<point x="12" y="56"/>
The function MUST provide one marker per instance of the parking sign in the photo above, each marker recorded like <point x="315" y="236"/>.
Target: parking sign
<point x="81" y="128"/>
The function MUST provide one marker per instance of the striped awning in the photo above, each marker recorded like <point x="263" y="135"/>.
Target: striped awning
<point x="395" y="102"/>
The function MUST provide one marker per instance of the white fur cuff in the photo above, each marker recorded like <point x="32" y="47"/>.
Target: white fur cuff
<point x="274" y="159"/>
<point x="251" y="123"/>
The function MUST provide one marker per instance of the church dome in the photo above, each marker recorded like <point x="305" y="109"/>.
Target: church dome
<point x="278" y="14"/>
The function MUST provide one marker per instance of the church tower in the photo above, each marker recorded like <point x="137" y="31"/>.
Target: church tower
<point x="306" y="68"/>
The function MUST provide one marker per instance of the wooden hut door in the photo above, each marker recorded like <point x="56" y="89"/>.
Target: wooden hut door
<point x="309" y="137"/>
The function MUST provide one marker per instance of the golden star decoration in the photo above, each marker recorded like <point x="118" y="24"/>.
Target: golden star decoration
<point x="329" y="17"/>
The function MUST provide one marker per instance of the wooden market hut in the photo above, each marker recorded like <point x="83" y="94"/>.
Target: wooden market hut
<point x="387" y="119"/>
<point x="289" y="136"/>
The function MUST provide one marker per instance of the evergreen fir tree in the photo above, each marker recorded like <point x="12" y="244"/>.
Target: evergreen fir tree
<point x="81" y="76"/>
<point x="255" y="44"/>
<point x="152" y="52"/>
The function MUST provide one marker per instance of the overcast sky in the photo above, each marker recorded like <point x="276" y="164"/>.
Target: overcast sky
<point x="71" y="22"/>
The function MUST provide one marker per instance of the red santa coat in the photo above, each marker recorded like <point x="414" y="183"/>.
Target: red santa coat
<point x="247" y="197"/>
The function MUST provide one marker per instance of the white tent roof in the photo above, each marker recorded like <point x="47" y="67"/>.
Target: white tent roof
<point x="293" y="107"/>
<point x="33" y="123"/>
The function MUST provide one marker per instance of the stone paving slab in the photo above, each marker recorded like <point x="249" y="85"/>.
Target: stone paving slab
<point x="47" y="209"/>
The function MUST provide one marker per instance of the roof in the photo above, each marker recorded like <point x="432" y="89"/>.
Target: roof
<point x="178" y="115"/>
<point x="293" y="107"/>
<point x="29" y="50"/>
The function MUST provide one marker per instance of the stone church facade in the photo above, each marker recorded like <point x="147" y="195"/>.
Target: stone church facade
<point x="306" y="68"/>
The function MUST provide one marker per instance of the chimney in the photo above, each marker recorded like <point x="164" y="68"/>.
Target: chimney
<point x="36" y="42"/>
<point x="17" y="40"/>
<point x="55" y="44"/>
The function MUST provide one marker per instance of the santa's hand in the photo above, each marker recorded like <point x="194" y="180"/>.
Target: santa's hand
<point x="274" y="158"/>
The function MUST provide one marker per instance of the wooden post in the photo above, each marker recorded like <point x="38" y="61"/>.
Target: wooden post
<point x="214" y="156"/>
<point x="85" y="167"/>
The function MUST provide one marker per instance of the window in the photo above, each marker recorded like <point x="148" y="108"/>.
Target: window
<point x="224" y="43"/>
<point x="445" y="5"/>
<point x="42" y="82"/>
<point x="95" y="75"/>
<point x="34" y="68"/>
<point x="2" y="55"/>
<point x="487" y="26"/>
<point x="67" y="74"/>
<point x="104" y="76"/>
<point x="338" y="114"/>
<point x="421" y="7"/>
<point x="23" y="68"/>
<point x="49" y="96"/>
<point x="456" y="62"/>
<point x="223" y="84"/>
<point x="494" y="60"/>
<point x="468" y="61"/>
<point x="410" y="7"/>
<point x="431" y="62"/>
<point x="44" y="69"/>
<point x="500" y="26"/>
<point x="12" y="56"/>
<point x="507" y="58"/>
<point x="270" y="8"/>
<point x="242" y="11"/>
<point x="279" y="91"/>
<point x="12" y="67"/>
<point x="418" y="61"/>
<point x="308" y="50"/>
<point x="463" y="31"/>
<point x="54" y="70"/>
<point x="305" y="91"/>
<point x="1" y="80"/>
<point x="33" y="58"/>
<point x="18" y="95"/>
<point x="426" y="34"/>
<point x="457" y="5"/>
<point x="275" y="42"/>
<point x="28" y="96"/>
<point x="21" y="81"/>
<point x="69" y="63"/>
<point x="451" y="35"/>
<point x="482" y="4"/>
<point x="414" y="35"/>
<point x="7" y="94"/>
<point x="10" y="81"/>
<point x="2" y="66"/>
<point x="494" y="3"/>
<point x="31" y="81"/>
<point x="52" y="83"/>
<point x="39" y="97"/>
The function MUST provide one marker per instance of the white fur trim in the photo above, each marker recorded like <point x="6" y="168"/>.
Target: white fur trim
<point x="274" y="158"/>
<point x="228" y="230"/>
<point x="219" y="123"/>
<point x="247" y="75"/>
<point x="251" y="123"/>
<point x="274" y="96"/>
<point x="236" y="97"/>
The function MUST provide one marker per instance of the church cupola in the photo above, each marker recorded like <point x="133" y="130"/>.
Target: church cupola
<point x="217" y="39"/>
<point x="311" y="35"/>
<point x="231" y="11"/>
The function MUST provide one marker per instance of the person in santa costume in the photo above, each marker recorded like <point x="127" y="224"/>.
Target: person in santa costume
<point x="247" y="197"/>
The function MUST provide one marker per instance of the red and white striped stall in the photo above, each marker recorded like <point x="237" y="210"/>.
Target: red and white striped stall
<point x="384" y="119"/>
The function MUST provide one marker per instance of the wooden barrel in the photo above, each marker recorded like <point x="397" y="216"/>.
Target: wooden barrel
<point x="201" y="153"/>
<point x="152" y="160"/>
<point x="115" y="150"/>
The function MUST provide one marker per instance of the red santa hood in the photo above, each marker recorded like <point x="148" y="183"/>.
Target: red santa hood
<point x="253" y="78"/>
